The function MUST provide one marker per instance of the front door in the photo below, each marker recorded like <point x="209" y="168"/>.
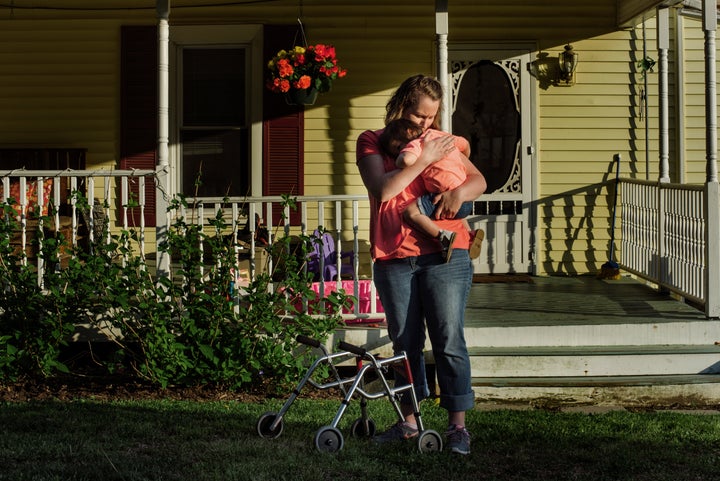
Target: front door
<point x="492" y="101"/>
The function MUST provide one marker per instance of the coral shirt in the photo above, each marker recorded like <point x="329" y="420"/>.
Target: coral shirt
<point x="390" y="236"/>
<point x="448" y="172"/>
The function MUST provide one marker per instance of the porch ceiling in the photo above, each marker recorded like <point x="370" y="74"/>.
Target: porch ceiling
<point x="631" y="11"/>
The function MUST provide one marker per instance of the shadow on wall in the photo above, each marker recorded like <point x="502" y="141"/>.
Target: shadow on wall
<point x="580" y="237"/>
<point x="345" y="177"/>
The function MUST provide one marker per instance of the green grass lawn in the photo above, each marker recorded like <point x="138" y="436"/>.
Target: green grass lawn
<point x="195" y="441"/>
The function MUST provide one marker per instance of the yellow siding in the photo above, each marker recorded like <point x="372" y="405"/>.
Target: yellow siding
<point x="59" y="85"/>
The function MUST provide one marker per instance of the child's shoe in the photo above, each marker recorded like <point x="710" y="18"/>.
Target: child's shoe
<point x="476" y="243"/>
<point x="399" y="431"/>
<point x="446" y="238"/>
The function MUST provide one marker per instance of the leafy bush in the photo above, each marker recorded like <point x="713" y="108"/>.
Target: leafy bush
<point x="192" y="328"/>
<point x="33" y="326"/>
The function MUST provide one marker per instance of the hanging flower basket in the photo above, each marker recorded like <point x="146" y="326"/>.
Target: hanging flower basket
<point x="303" y="72"/>
<point x="301" y="96"/>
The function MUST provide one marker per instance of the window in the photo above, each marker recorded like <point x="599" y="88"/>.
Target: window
<point x="214" y="132"/>
<point x="216" y="110"/>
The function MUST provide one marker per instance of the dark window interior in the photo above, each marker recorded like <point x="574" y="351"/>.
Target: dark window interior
<point x="214" y="133"/>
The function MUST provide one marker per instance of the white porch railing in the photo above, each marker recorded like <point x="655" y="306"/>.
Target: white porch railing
<point x="120" y="197"/>
<point x="107" y="192"/>
<point x="663" y="237"/>
<point x="336" y="214"/>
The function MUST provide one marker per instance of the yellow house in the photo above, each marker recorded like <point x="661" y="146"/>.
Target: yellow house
<point x="83" y="75"/>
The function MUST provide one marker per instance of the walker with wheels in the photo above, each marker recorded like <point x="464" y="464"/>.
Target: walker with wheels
<point x="329" y="438"/>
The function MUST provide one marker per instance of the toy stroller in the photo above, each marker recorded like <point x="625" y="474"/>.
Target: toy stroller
<point x="329" y="438"/>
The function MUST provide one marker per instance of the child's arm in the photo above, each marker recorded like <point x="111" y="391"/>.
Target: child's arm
<point x="462" y="145"/>
<point x="405" y="159"/>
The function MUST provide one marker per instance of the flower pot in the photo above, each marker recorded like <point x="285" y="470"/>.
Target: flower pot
<point x="301" y="97"/>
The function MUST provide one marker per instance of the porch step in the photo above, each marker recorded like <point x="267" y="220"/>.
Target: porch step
<point x="601" y="333"/>
<point x="596" y="381"/>
<point x="594" y="361"/>
<point x="691" y="391"/>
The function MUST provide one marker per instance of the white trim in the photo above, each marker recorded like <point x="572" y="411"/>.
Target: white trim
<point x="663" y="45"/>
<point x="528" y="150"/>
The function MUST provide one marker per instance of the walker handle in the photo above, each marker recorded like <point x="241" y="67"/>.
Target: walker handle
<point x="352" y="348"/>
<point x="308" y="341"/>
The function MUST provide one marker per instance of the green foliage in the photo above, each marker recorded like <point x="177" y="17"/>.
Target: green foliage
<point x="195" y="327"/>
<point x="33" y="326"/>
<point x="645" y="65"/>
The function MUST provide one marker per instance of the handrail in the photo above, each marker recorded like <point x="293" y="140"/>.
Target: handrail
<point x="76" y="173"/>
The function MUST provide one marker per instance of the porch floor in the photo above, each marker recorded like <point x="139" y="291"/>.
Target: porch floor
<point x="568" y="301"/>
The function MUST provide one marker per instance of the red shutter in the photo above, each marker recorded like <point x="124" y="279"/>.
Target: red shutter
<point x="138" y="110"/>
<point x="283" y="130"/>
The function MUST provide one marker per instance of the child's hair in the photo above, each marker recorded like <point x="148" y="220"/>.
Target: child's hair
<point x="399" y="130"/>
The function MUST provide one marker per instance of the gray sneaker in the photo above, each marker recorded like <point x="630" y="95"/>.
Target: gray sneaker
<point x="446" y="238"/>
<point x="458" y="440"/>
<point x="397" y="432"/>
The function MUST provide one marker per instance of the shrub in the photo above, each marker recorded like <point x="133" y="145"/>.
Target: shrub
<point x="191" y="328"/>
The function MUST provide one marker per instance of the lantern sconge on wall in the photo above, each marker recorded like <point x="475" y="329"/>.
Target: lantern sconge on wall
<point x="567" y="63"/>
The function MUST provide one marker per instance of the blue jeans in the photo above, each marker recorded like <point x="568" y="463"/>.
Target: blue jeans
<point x="425" y="291"/>
<point x="426" y="206"/>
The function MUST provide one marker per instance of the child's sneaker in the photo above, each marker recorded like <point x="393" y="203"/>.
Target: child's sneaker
<point x="458" y="439"/>
<point x="476" y="243"/>
<point x="399" y="431"/>
<point x="446" y="238"/>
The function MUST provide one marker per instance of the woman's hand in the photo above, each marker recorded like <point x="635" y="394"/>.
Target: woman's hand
<point x="448" y="203"/>
<point x="435" y="149"/>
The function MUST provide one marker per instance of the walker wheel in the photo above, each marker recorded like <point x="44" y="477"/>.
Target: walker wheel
<point x="361" y="428"/>
<point x="328" y="440"/>
<point x="429" y="442"/>
<point x="265" y="423"/>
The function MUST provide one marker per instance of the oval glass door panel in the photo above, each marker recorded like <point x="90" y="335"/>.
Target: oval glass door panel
<point x="486" y="114"/>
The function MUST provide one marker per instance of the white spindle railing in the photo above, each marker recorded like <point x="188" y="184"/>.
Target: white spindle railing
<point x="663" y="235"/>
<point x="342" y="211"/>
<point x="109" y="193"/>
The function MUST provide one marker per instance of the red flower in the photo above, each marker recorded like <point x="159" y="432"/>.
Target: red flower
<point x="279" y="85"/>
<point x="284" y="68"/>
<point x="303" y="82"/>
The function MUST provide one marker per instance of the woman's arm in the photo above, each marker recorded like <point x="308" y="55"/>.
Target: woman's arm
<point x="386" y="185"/>
<point x="449" y="202"/>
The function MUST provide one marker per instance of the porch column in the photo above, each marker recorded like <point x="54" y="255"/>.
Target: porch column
<point x="162" y="175"/>
<point x="441" y="32"/>
<point x="712" y="191"/>
<point x="663" y="45"/>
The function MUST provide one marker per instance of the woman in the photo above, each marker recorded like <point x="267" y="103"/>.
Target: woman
<point x="417" y="288"/>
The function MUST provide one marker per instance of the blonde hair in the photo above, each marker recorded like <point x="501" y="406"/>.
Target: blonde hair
<point x="409" y="94"/>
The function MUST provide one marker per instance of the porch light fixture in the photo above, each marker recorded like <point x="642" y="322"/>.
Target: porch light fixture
<point x="567" y="63"/>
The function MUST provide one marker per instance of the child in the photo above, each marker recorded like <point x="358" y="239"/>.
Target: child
<point x="403" y="139"/>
